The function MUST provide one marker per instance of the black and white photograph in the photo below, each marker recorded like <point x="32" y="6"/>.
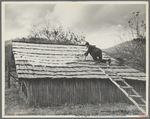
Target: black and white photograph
<point x="75" y="59"/>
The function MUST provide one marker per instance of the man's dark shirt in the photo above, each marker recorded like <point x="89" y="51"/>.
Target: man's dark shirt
<point x="92" y="49"/>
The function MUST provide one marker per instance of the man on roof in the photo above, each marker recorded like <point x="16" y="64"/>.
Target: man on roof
<point x="96" y="53"/>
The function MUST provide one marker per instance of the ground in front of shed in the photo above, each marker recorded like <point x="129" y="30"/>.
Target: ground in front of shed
<point x="14" y="106"/>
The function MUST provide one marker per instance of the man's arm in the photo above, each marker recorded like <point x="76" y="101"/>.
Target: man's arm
<point x="86" y="53"/>
<point x="89" y="50"/>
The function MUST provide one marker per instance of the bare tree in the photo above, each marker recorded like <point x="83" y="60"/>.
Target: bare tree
<point x="56" y="35"/>
<point x="138" y="28"/>
<point x="134" y="50"/>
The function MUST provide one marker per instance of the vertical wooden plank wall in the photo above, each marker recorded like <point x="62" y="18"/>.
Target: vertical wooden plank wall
<point x="75" y="91"/>
<point x="139" y="86"/>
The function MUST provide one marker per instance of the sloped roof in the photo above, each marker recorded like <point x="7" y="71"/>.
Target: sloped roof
<point x="53" y="61"/>
<point x="59" y="61"/>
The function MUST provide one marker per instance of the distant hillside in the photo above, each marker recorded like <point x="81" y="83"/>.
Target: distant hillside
<point x="133" y="52"/>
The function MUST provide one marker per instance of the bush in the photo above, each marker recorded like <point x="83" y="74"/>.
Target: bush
<point x="143" y="41"/>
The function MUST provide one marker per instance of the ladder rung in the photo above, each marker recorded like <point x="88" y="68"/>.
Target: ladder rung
<point x="138" y="96"/>
<point x="105" y="67"/>
<point x="114" y="77"/>
<point x="142" y="105"/>
<point x="111" y="74"/>
<point x="108" y="72"/>
<point x="117" y="79"/>
<point x="126" y="87"/>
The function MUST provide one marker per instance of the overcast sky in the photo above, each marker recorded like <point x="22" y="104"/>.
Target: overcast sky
<point x="100" y="22"/>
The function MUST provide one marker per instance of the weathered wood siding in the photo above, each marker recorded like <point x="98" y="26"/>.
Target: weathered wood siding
<point x="139" y="86"/>
<point x="73" y="91"/>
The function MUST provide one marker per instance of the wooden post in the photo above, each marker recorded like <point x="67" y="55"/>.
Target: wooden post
<point x="8" y="74"/>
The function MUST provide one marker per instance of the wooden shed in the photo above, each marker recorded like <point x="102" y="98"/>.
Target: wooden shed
<point x="56" y="74"/>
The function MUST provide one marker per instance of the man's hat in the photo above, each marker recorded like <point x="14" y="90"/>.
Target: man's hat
<point x="87" y="43"/>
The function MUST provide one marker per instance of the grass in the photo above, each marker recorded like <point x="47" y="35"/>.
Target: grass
<point x="14" y="106"/>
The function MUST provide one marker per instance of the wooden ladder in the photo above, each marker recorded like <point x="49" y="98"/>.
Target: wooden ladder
<point x="115" y="78"/>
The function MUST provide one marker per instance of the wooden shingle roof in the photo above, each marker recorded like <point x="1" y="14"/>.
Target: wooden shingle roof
<point x="53" y="61"/>
<point x="59" y="61"/>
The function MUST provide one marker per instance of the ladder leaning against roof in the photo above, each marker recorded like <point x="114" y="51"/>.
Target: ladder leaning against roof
<point x="115" y="78"/>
